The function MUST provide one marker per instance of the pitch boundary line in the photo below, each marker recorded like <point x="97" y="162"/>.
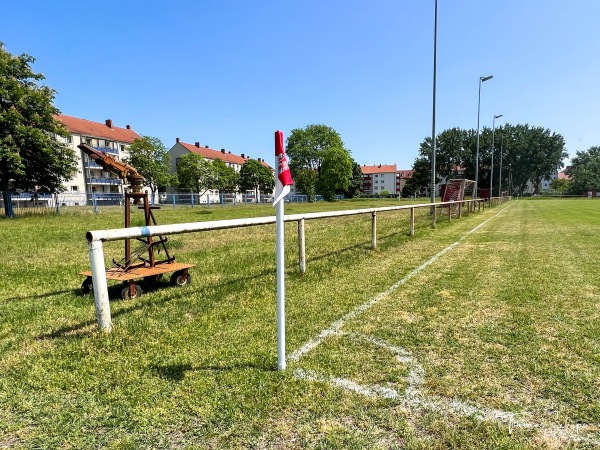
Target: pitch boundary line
<point x="338" y="324"/>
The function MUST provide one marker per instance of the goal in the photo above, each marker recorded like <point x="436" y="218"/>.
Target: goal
<point x="456" y="190"/>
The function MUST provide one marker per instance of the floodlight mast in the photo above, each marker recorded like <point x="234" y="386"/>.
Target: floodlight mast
<point x="492" y="171"/>
<point x="475" y="188"/>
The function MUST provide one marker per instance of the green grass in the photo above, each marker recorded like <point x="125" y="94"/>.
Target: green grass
<point x="507" y="320"/>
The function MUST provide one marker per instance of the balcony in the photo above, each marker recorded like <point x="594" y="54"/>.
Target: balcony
<point x="104" y="180"/>
<point x="92" y="165"/>
<point x="112" y="151"/>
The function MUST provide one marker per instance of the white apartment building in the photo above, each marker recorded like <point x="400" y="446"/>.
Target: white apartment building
<point x="91" y="177"/>
<point x="383" y="178"/>
<point x="230" y="159"/>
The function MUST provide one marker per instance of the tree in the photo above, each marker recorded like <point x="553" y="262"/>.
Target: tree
<point x="307" y="148"/>
<point x="336" y="172"/>
<point x="420" y="179"/>
<point x="224" y="177"/>
<point x="353" y="188"/>
<point x="561" y="186"/>
<point x="149" y="156"/>
<point x="254" y="176"/>
<point x="31" y="156"/>
<point x="585" y="171"/>
<point x="195" y="173"/>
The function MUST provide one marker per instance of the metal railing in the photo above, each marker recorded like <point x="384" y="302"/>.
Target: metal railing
<point x="98" y="237"/>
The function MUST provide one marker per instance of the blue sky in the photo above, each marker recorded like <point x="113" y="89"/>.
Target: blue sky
<point x="229" y="73"/>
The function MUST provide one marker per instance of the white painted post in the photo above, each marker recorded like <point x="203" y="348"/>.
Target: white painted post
<point x="301" y="247"/>
<point x="412" y="222"/>
<point x="374" y="230"/>
<point x="279" y="231"/>
<point x="99" y="284"/>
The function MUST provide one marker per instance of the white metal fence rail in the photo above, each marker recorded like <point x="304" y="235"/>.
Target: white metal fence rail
<point x="96" y="238"/>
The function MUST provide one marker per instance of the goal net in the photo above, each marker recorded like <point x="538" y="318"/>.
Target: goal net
<point x="457" y="190"/>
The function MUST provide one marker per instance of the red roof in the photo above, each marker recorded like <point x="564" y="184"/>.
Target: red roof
<point x="105" y="130"/>
<point x="212" y="154"/>
<point x="381" y="168"/>
<point x="405" y="173"/>
<point x="563" y="176"/>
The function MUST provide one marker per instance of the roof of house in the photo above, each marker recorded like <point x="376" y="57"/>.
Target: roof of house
<point x="104" y="130"/>
<point x="381" y="168"/>
<point x="223" y="155"/>
<point x="563" y="175"/>
<point x="405" y="173"/>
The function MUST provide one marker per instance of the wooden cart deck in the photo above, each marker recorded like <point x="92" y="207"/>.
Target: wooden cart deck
<point x="141" y="272"/>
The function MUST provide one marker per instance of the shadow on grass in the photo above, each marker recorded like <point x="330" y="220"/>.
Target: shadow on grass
<point x="43" y="295"/>
<point x="176" y="372"/>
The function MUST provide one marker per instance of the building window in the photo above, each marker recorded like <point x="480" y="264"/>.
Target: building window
<point x="122" y="148"/>
<point x="74" y="188"/>
<point x="69" y="139"/>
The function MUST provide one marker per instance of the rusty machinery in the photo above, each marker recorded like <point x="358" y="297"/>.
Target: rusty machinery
<point x="142" y="262"/>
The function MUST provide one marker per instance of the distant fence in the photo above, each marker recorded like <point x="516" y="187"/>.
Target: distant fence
<point x="32" y="204"/>
<point x="437" y="211"/>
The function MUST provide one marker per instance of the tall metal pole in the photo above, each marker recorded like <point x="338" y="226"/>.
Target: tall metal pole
<point x="492" y="171"/>
<point x="433" y="114"/>
<point x="500" y="175"/>
<point x="481" y="80"/>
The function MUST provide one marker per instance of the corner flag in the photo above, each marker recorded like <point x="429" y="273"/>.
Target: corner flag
<point x="284" y="176"/>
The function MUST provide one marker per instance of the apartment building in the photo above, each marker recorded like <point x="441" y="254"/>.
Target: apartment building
<point x="91" y="177"/>
<point x="383" y="178"/>
<point x="230" y="159"/>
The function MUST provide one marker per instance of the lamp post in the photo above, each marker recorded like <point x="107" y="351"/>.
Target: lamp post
<point x="500" y="175"/>
<point x="433" y="116"/>
<point x="481" y="80"/>
<point x="492" y="171"/>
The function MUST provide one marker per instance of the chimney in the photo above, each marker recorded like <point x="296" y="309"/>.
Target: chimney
<point x="109" y="123"/>
<point x="197" y="144"/>
<point x="243" y="156"/>
<point x="229" y="152"/>
<point x="128" y="127"/>
<point x="206" y="146"/>
<point x="177" y="140"/>
<point x="223" y="150"/>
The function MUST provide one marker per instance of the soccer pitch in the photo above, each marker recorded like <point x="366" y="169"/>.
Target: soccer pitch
<point x="482" y="333"/>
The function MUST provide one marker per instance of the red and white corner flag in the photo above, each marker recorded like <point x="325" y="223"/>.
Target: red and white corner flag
<point x="284" y="176"/>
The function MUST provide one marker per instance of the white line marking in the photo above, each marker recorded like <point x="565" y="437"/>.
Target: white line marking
<point x="335" y="326"/>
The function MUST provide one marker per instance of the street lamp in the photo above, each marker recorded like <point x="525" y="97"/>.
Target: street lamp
<point x="500" y="175"/>
<point x="492" y="171"/>
<point x="481" y="80"/>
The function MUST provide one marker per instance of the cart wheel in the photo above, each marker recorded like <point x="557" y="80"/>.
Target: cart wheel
<point x="179" y="278"/>
<point x="87" y="287"/>
<point x="126" y="295"/>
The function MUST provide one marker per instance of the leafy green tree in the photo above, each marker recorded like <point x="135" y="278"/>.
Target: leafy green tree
<point x="149" y="156"/>
<point x="306" y="149"/>
<point x="420" y="179"/>
<point x="561" y="186"/>
<point x="224" y="177"/>
<point x="194" y="172"/>
<point x="355" y="183"/>
<point x="585" y="171"/>
<point x="31" y="156"/>
<point x="254" y="176"/>
<point x="336" y="172"/>
<point x="306" y="182"/>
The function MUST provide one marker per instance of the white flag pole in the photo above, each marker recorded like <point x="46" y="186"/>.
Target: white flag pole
<point x="280" y="285"/>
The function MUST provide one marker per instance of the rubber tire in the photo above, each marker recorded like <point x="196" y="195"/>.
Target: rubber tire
<point x="126" y="295"/>
<point x="87" y="287"/>
<point x="176" y="279"/>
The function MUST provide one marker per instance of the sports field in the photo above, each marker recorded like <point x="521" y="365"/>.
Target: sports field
<point x="483" y="333"/>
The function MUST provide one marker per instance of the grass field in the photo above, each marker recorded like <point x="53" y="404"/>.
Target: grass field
<point x="481" y="334"/>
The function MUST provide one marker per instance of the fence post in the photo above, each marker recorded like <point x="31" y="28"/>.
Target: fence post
<point x="412" y="222"/>
<point x="374" y="230"/>
<point x="301" y="247"/>
<point x="433" y="215"/>
<point x="450" y="213"/>
<point x="99" y="284"/>
<point x="95" y="203"/>
<point x="192" y="199"/>
<point x="56" y="204"/>
<point x="460" y="204"/>
<point x="173" y="194"/>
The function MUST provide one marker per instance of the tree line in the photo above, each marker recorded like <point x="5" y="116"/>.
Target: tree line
<point x="526" y="154"/>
